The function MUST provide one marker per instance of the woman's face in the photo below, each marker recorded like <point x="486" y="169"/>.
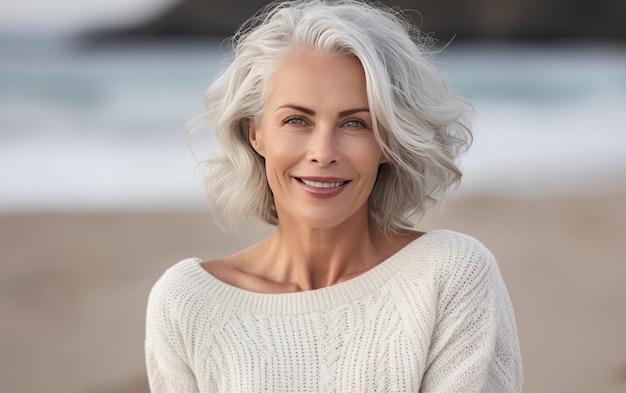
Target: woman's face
<point x="321" y="156"/>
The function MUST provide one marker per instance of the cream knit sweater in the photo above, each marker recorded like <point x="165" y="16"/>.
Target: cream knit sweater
<point x="434" y="317"/>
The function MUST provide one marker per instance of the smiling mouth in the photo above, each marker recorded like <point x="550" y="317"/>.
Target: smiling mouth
<point x="318" y="184"/>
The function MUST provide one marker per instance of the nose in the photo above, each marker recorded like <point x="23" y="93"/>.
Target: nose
<point x="323" y="146"/>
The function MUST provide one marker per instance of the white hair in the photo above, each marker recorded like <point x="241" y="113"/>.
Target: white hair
<point x="420" y="124"/>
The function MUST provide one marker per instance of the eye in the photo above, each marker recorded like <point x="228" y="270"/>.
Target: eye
<point x="354" y="123"/>
<point x="296" y="121"/>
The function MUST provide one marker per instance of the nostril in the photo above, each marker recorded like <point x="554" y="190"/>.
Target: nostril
<point x="323" y="161"/>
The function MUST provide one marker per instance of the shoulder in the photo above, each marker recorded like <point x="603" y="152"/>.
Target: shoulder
<point x="454" y="250"/>
<point x="445" y="261"/>
<point x="184" y="303"/>
<point x="176" y="279"/>
<point x="452" y="243"/>
<point x="465" y="276"/>
<point x="456" y="259"/>
<point x="179" y="290"/>
<point x="445" y="249"/>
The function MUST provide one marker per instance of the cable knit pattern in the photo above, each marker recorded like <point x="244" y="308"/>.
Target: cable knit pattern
<point x="434" y="317"/>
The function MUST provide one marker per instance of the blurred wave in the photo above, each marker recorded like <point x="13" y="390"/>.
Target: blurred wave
<point x="104" y="127"/>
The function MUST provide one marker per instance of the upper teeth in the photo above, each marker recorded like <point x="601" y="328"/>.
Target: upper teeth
<point x="320" y="184"/>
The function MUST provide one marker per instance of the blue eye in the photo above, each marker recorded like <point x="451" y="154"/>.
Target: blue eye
<point x="296" y="121"/>
<point x="355" y="124"/>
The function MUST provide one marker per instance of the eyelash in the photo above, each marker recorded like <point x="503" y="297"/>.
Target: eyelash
<point x="290" y="120"/>
<point x="360" y="123"/>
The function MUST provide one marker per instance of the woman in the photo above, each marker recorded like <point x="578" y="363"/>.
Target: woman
<point x="336" y="129"/>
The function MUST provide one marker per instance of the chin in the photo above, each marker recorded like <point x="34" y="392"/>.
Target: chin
<point x="325" y="219"/>
<point x="324" y="216"/>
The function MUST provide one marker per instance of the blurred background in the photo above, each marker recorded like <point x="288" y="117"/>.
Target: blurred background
<point x="98" y="193"/>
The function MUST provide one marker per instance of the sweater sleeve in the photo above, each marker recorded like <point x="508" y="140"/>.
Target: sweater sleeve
<point x="167" y="365"/>
<point x="474" y="346"/>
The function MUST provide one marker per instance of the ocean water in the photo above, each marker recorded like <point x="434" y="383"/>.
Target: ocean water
<point x="104" y="127"/>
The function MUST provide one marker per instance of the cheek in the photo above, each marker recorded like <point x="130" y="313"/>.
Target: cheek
<point x="369" y="155"/>
<point x="281" y="153"/>
<point x="280" y="146"/>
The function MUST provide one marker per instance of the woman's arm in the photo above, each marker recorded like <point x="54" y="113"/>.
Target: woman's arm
<point x="167" y="366"/>
<point x="474" y="347"/>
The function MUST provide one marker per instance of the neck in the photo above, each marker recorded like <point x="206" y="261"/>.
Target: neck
<point x="306" y="258"/>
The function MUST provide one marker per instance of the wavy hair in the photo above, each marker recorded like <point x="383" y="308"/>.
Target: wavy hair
<point x="420" y="124"/>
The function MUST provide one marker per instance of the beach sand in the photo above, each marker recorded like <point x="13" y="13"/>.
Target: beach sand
<point x="73" y="288"/>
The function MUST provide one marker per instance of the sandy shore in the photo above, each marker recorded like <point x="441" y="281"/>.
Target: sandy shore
<point x="73" y="288"/>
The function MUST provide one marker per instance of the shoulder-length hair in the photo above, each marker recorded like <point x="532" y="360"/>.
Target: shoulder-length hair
<point x="421" y="126"/>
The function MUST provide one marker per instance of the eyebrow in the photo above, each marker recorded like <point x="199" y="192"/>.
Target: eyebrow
<point x="312" y="112"/>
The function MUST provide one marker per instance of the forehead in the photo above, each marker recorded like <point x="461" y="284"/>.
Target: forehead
<point x="308" y="74"/>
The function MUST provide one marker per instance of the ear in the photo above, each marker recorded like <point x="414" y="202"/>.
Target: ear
<point x="255" y="141"/>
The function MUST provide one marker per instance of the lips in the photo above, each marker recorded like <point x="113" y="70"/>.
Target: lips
<point x="322" y="187"/>
<point x="318" y="184"/>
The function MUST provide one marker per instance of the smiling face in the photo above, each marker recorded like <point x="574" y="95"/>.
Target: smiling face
<point x="321" y="155"/>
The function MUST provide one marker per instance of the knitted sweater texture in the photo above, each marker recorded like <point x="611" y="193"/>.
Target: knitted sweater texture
<point x="434" y="317"/>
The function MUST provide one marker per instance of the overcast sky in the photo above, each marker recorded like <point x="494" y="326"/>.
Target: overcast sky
<point x="36" y="17"/>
